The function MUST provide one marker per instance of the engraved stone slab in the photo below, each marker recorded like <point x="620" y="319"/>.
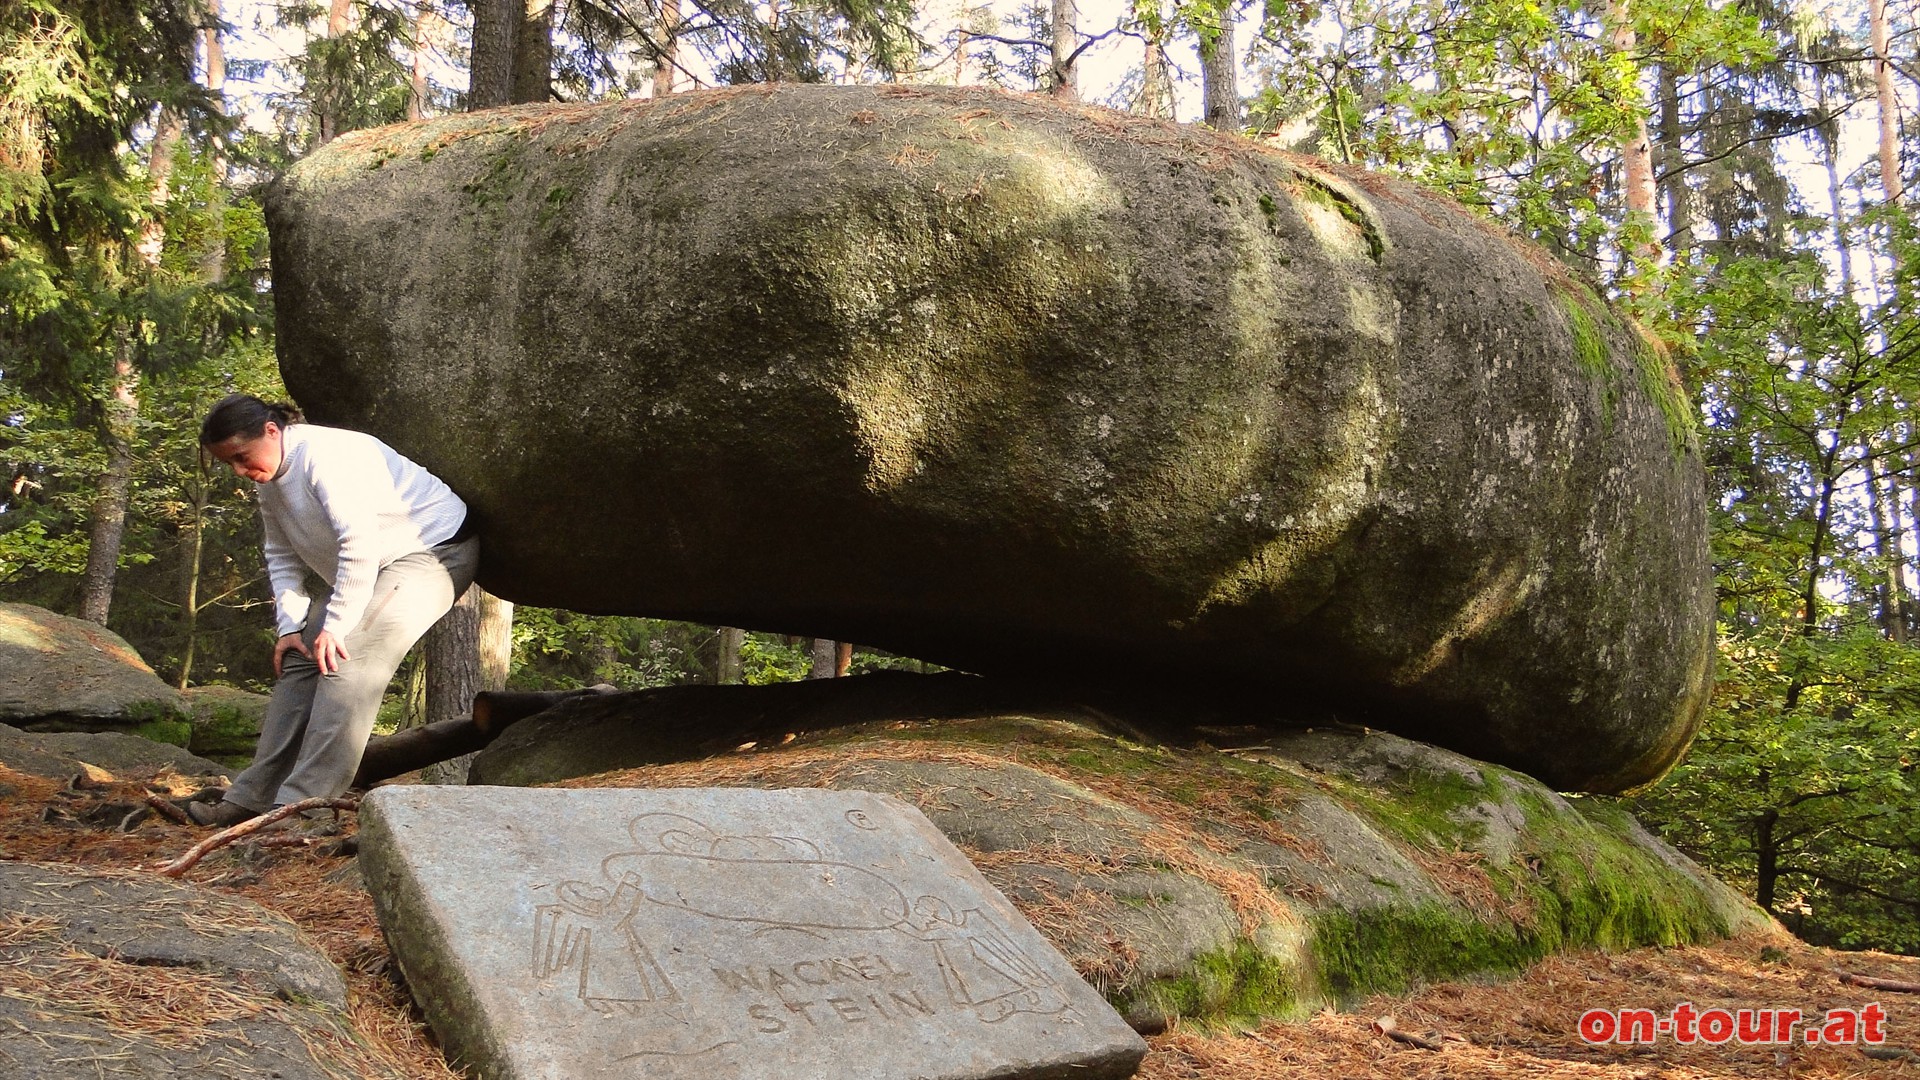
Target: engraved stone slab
<point x="718" y="934"/>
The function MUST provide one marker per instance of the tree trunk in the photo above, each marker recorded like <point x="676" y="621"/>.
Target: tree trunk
<point x="452" y="654"/>
<point x="108" y="525"/>
<point x="1897" y="565"/>
<point x="842" y="658"/>
<point x="1888" y="546"/>
<point x="417" y="86"/>
<point x="1830" y="151"/>
<point x="1063" y="81"/>
<point x="1220" y="76"/>
<point x="213" y="263"/>
<point x="109" y="512"/>
<point x="668" y="40"/>
<point x="468" y="651"/>
<point x="1766" y="860"/>
<point x="825" y="657"/>
<point x="332" y="94"/>
<point x="496" y="641"/>
<point x="1673" y="184"/>
<point x="1636" y="151"/>
<point x="1890" y="180"/>
<point x="490" y="69"/>
<point x="190" y="561"/>
<point x="1156" y="82"/>
<point x="727" y="671"/>
<point x="533" y="53"/>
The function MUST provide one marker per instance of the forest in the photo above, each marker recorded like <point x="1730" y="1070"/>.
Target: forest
<point x="1729" y="172"/>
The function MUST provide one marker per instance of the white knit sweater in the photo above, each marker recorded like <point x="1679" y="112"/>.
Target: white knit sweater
<point x="344" y="505"/>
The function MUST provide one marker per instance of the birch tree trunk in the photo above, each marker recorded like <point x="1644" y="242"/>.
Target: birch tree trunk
<point x="1842" y="236"/>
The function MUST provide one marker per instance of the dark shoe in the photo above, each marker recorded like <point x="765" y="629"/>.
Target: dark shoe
<point x="219" y="815"/>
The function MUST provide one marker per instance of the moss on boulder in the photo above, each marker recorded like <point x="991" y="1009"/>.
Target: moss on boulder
<point x="1038" y="388"/>
<point x="226" y="722"/>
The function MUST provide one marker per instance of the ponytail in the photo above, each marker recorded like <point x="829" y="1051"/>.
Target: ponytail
<point x="246" y="416"/>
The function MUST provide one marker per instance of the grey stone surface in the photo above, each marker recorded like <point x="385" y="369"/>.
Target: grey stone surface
<point x="59" y="754"/>
<point x="64" y="674"/>
<point x="1043" y="390"/>
<point x="718" y="934"/>
<point x="51" y="1029"/>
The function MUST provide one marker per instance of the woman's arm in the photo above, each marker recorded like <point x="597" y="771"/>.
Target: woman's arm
<point x="287" y="576"/>
<point x="353" y="487"/>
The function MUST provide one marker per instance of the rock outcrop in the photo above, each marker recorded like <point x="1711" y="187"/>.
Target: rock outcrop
<point x="1294" y="869"/>
<point x="1024" y="388"/>
<point x="62" y="754"/>
<point x="120" y="974"/>
<point x="59" y="673"/>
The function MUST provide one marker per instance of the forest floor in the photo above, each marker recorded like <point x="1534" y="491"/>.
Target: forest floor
<point x="1522" y="1028"/>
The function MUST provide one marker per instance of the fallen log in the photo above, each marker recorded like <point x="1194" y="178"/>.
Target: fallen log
<point x="1868" y="981"/>
<point x="388" y="756"/>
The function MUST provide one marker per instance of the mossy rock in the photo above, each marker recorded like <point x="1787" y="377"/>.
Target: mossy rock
<point x="226" y="722"/>
<point x="1298" y="869"/>
<point x="1039" y="388"/>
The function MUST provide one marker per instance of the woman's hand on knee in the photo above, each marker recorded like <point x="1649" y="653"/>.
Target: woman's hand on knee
<point x="288" y="643"/>
<point x="327" y="653"/>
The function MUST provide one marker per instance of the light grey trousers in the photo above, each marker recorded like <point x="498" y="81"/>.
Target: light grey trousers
<point x="317" y="725"/>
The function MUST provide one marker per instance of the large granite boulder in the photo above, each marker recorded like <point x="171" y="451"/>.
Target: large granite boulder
<point x="1023" y="387"/>
<point x="59" y="673"/>
<point x="1276" y="872"/>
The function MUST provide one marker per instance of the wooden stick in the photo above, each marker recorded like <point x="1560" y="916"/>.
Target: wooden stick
<point x="1391" y="1030"/>
<point x="1869" y="981"/>
<point x="224" y="837"/>
<point x="169" y="811"/>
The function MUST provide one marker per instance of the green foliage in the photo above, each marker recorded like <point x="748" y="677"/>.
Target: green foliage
<point x="1800" y="786"/>
<point x="348" y="81"/>
<point x="556" y="649"/>
<point x="767" y="659"/>
<point x="1507" y="105"/>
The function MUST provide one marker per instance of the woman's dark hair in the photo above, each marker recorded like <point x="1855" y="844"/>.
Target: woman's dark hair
<point x="244" y="414"/>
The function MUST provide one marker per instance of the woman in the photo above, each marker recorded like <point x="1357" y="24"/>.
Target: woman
<point x="389" y="542"/>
